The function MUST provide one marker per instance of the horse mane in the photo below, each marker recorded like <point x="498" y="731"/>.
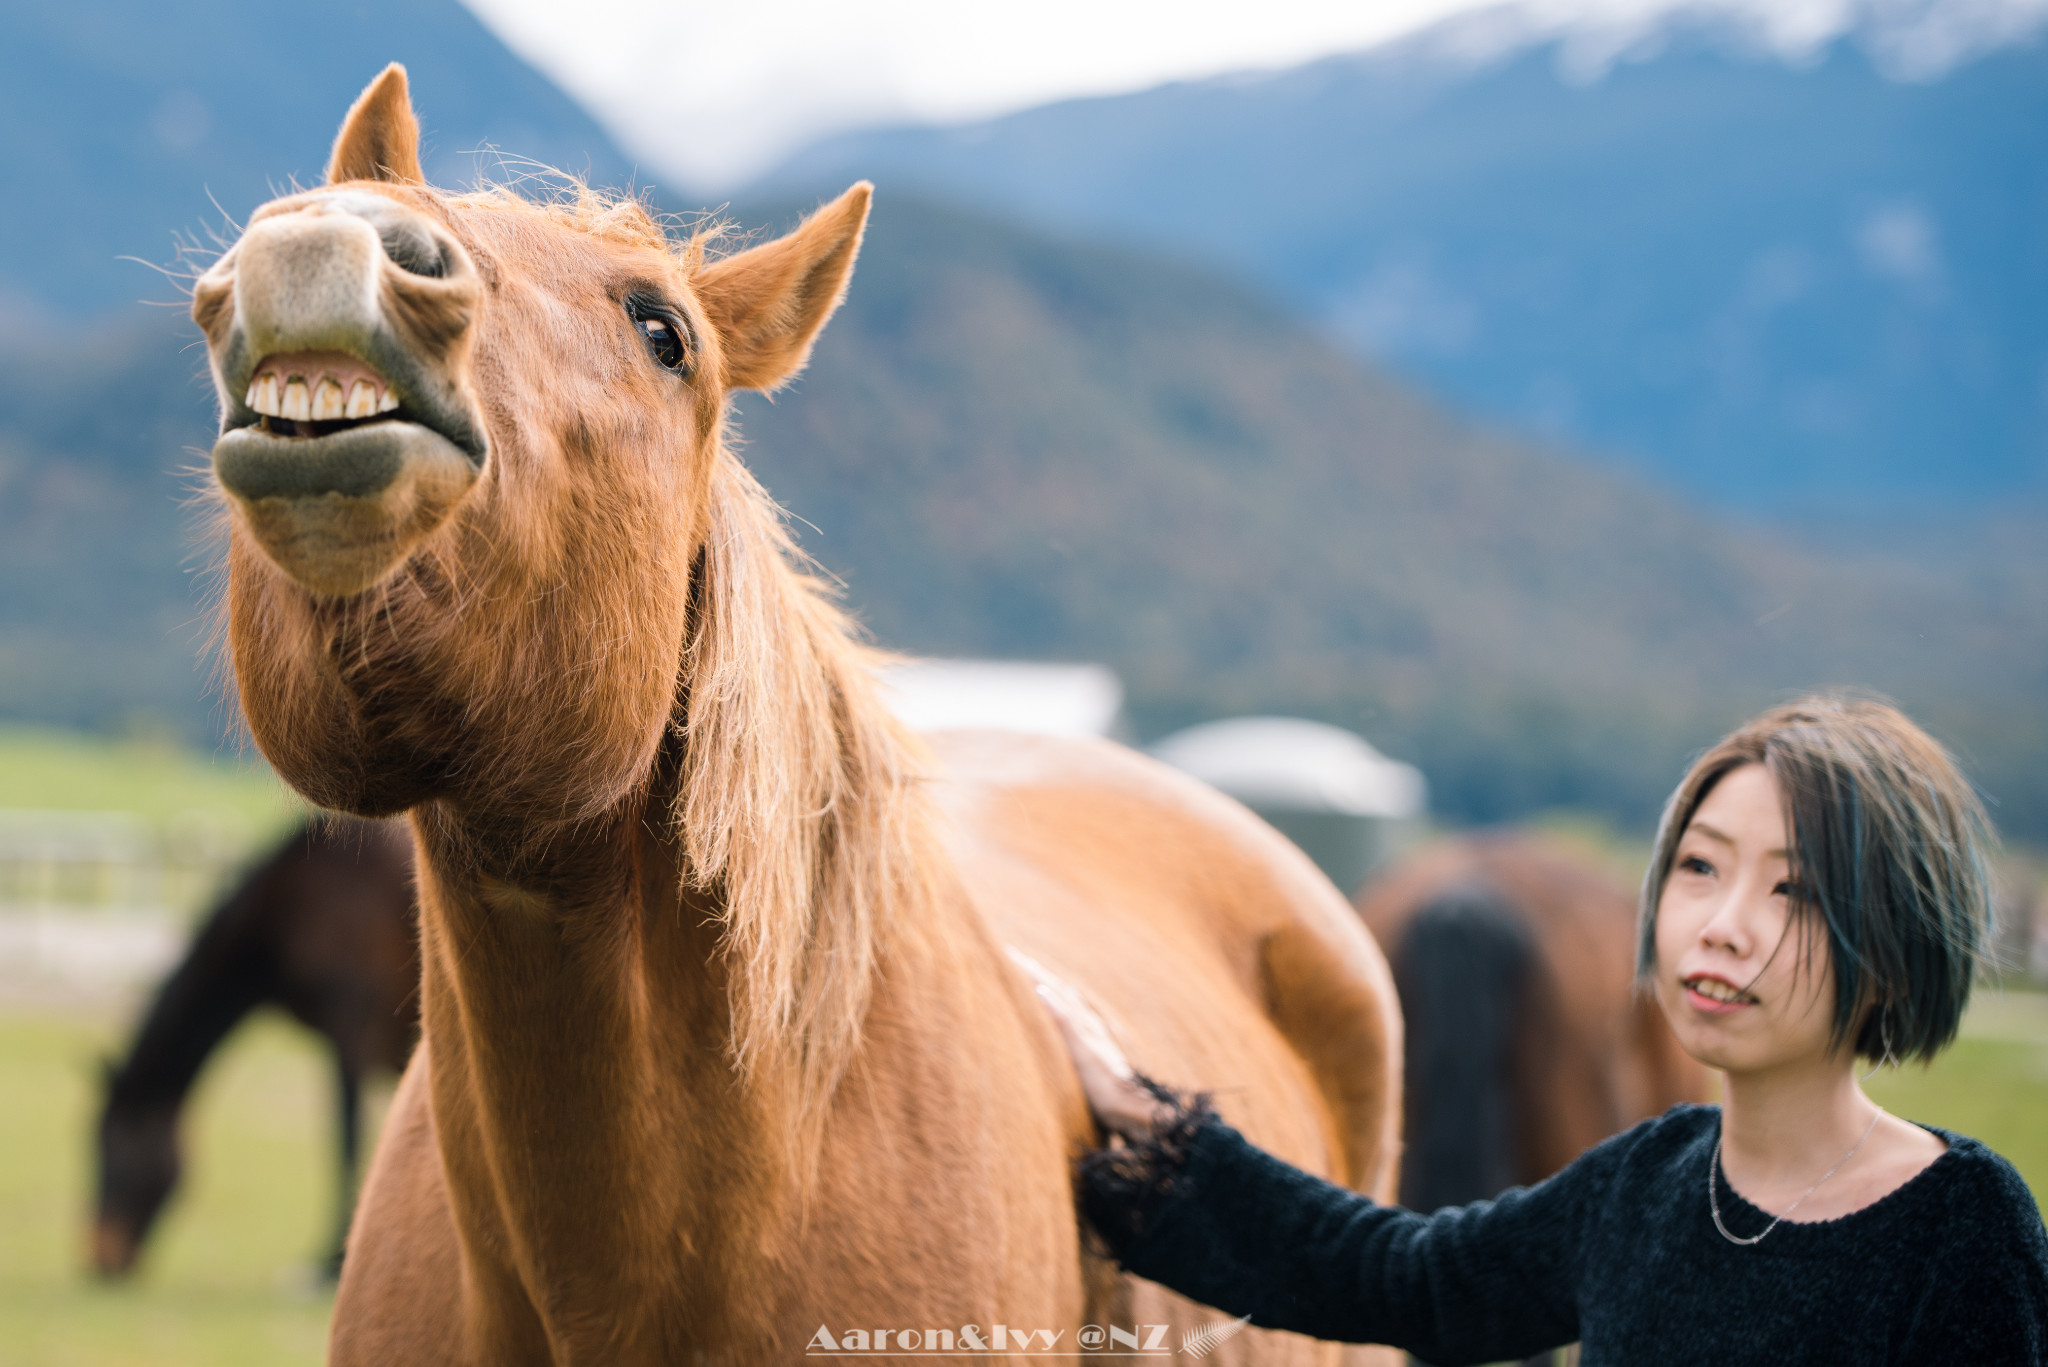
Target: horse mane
<point x="801" y="802"/>
<point x="614" y="216"/>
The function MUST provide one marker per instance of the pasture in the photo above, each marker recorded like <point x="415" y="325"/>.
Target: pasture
<point x="229" y="1282"/>
<point x="109" y="847"/>
<point x="154" y="779"/>
<point x="228" y="1279"/>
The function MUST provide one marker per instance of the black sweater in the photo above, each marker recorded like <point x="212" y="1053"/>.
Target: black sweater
<point x="1618" y="1251"/>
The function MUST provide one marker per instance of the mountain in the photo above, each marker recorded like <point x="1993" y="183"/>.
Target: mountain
<point x="1810" y="290"/>
<point x="127" y="127"/>
<point x="1010" y="443"/>
<point x="129" y="122"/>
<point x="102" y="431"/>
<point x="1016" y="445"/>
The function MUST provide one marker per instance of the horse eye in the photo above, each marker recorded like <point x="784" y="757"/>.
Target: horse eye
<point x="663" y="336"/>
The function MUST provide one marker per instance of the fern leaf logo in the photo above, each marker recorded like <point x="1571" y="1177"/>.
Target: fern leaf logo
<point x="1207" y="1339"/>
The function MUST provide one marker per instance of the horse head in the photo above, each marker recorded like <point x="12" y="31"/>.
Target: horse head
<point x="139" y="1165"/>
<point x="470" y="452"/>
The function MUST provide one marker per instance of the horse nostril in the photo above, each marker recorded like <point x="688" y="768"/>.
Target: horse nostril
<point x="408" y="241"/>
<point x="411" y="250"/>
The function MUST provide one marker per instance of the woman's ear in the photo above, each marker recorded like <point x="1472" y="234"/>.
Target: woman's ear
<point x="767" y="304"/>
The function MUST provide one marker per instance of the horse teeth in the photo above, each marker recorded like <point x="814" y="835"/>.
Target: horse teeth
<point x="327" y="400"/>
<point x="263" y="396"/>
<point x="325" y="397"/>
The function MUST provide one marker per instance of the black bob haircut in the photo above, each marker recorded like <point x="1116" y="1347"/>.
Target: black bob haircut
<point x="1889" y="847"/>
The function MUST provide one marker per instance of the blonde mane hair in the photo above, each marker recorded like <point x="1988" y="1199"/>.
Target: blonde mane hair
<point x="801" y="801"/>
<point x="614" y="216"/>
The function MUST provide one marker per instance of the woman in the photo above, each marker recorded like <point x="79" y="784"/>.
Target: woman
<point x="1817" y="894"/>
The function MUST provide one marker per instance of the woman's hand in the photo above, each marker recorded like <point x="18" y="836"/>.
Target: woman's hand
<point x="1121" y="1103"/>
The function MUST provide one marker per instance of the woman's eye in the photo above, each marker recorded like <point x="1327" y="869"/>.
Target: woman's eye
<point x="1692" y="863"/>
<point x="664" y="339"/>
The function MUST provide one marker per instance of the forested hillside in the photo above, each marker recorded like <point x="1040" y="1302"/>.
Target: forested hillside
<point x="1020" y="444"/>
<point x="1013" y="445"/>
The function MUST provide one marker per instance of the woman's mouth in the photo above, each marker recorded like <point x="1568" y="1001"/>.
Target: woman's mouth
<point x="1716" y="995"/>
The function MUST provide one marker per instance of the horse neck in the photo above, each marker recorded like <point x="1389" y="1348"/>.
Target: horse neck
<point x="635" y="1028"/>
<point x="578" y="1018"/>
<point x="636" y="1021"/>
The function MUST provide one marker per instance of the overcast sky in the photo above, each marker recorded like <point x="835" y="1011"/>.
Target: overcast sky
<point x="710" y="93"/>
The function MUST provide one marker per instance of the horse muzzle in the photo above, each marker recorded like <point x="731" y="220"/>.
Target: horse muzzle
<point x="340" y="331"/>
<point x="114" y="1248"/>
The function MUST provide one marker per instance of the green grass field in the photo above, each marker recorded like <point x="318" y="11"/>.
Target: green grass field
<point x="227" y="1281"/>
<point x="160" y="782"/>
<point x="1993" y="1084"/>
<point x="198" y="816"/>
<point x="228" y="1278"/>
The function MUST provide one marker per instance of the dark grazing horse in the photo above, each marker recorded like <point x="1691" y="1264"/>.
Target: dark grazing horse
<point x="1526" y="1040"/>
<point x="325" y="927"/>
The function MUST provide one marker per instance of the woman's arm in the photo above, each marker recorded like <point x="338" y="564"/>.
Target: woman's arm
<point x="1189" y="1203"/>
<point x="1199" y="1209"/>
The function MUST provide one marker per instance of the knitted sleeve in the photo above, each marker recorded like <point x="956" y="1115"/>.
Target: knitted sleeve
<point x="1986" y="1298"/>
<point x="1202" y="1211"/>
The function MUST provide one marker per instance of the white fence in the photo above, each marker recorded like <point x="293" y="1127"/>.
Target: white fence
<point x="94" y="902"/>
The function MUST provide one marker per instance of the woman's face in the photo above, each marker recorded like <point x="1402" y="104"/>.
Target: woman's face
<point x="1745" y="985"/>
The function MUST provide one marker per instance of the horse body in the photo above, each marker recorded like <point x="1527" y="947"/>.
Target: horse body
<point x="722" y="1041"/>
<point x="1213" y="943"/>
<point x="323" y="927"/>
<point x="650" y="1209"/>
<point x="944" y="1189"/>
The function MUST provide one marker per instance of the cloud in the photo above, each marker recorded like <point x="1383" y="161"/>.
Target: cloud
<point x="1403" y="308"/>
<point x="715" y="93"/>
<point x="1923" y="40"/>
<point x="1898" y="242"/>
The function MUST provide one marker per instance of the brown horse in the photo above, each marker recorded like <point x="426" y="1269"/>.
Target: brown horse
<point x="724" y="1057"/>
<point x="1527" y="1042"/>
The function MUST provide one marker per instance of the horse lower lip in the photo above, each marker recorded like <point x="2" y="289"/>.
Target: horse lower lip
<point x="338" y="512"/>
<point x="355" y="458"/>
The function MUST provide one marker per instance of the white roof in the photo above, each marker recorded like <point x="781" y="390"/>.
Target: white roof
<point x="1287" y="762"/>
<point x="1005" y="695"/>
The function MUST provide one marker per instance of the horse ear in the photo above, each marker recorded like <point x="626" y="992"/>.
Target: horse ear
<point x="380" y="138"/>
<point x="768" y="303"/>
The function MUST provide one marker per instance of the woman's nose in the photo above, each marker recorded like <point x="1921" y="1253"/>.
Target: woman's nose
<point x="1728" y="928"/>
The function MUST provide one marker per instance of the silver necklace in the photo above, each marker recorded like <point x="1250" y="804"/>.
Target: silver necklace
<point x="1714" y="1202"/>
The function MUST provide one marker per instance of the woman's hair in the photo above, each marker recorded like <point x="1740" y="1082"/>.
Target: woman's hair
<point x="1888" y="850"/>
